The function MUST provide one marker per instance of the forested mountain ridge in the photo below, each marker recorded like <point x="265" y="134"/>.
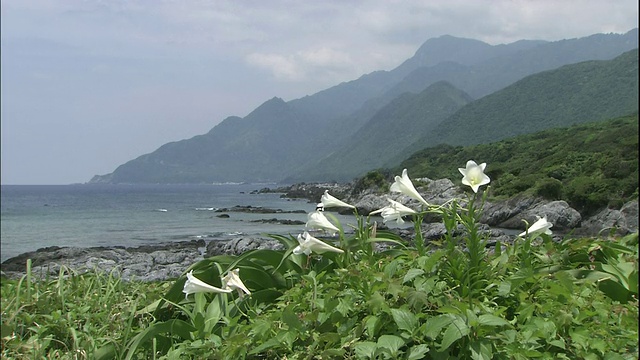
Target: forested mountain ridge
<point x="401" y="122"/>
<point x="279" y="138"/>
<point x="572" y="94"/>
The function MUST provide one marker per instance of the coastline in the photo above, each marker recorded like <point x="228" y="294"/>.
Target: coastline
<point x="167" y="260"/>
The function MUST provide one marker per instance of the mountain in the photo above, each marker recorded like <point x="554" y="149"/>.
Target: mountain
<point x="577" y="93"/>
<point x="280" y="138"/>
<point x="403" y="121"/>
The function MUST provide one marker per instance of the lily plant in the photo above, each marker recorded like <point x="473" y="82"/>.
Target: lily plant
<point x="474" y="176"/>
<point x="317" y="220"/>
<point x="310" y="244"/>
<point x="404" y="185"/>
<point x="394" y="211"/>
<point x="329" y="201"/>
<point x="541" y="226"/>
<point x="230" y="282"/>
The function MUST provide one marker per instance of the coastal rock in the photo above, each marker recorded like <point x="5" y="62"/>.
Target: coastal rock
<point x="435" y="192"/>
<point x="559" y="213"/>
<point x="437" y="231"/>
<point x="144" y="263"/>
<point x="280" y="221"/>
<point x="618" y="222"/>
<point x="499" y="213"/>
<point x="257" y="210"/>
<point x="240" y="245"/>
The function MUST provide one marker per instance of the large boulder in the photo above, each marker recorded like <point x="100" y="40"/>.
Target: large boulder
<point x="559" y="213"/>
<point x="618" y="222"/>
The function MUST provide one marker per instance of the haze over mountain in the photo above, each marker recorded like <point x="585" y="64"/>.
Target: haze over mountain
<point x="349" y="123"/>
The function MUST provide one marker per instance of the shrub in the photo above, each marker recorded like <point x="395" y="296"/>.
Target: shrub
<point x="549" y="188"/>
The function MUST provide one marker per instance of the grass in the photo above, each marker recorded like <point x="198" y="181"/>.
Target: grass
<point x="71" y="316"/>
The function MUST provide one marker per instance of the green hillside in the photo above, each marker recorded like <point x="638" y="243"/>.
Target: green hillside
<point x="572" y="94"/>
<point x="589" y="165"/>
<point x="408" y="117"/>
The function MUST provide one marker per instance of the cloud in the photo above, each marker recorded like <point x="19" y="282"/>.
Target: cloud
<point x="302" y="65"/>
<point x="281" y="67"/>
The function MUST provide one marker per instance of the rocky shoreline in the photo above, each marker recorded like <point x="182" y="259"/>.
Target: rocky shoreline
<point x="170" y="260"/>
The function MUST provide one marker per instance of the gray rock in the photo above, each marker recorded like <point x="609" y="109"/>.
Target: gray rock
<point x="559" y="213"/>
<point x="435" y="192"/>
<point x="240" y="245"/>
<point x="144" y="263"/>
<point x="499" y="213"/>
<point x="617" y="222"/>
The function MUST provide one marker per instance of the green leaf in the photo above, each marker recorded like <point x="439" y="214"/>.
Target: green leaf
<point x="213" y="314"/>
<point x="366" y="349"/>
<point x="492" y="320"/>
<point x="372" y="325"/>
<point x="392" y="343"/>
<point x="175" y="327"/>
<point x="481" y="350"/>
<point x="434" y="325"/>
<point x="291" y="318"/>
<point x="405" y="319"/>
<point x="558" y="343"/>
<point x="455" y="331"/>
<point x="271" y="343"/>
<point x="417" y="352"/>
<point x="411" y="274"/>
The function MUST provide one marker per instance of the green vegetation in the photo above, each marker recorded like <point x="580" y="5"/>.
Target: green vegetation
<point x="590" y="166"/>
<point x="533" y="298"/>
<point x="71" y="316"/>
<point x="573" y="94"/>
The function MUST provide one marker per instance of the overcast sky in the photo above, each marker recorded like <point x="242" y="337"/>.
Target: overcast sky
<point x="89" y="84"/>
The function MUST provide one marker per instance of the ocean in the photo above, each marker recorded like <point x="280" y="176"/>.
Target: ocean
<point x="37" y="216"/>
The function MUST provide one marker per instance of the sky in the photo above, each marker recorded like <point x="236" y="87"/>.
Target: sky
<point x="87" y="85"/>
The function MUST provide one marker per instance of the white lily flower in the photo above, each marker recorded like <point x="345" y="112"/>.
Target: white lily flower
<point x="404" y="185"/>
<point x="541" y="226"/>
<point x="473" y="175"/>
<point x="394" y="211"/>
<point x="328" y="201"/>
<point x="232" y="281"/>
<point x="194" y="285"/>
<point x="317" y="220"/>
<point x="309" y="244"/>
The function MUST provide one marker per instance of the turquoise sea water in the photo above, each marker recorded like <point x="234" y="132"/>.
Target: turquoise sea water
<point x="36" y="216"/>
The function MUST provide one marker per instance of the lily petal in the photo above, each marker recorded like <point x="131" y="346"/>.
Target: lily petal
<point x="232" y="281"/>
<point x="394" y="211"/>
<point x="328" y="201"/>
<point x="541" y="226"/>
<point x="473" y="175"/>
<point x="404" y="185"/>
<point x="194" y="285"/>
<point x="309" y="244"/>
<point x="317" y="220"/>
